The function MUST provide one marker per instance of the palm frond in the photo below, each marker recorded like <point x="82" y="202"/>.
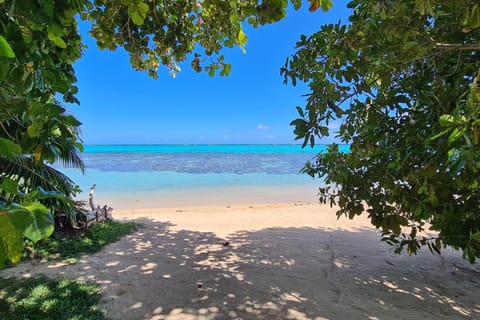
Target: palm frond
<point x="68" y="157"/>
<point x="30" y="174"/>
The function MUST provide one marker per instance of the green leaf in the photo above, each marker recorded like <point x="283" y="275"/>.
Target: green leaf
<point x="143" y="9"/>
<point x="9" y="148"/>
<point x="298" y="123"/>
<point x="418" y="212"/>
<point x="5" y="49"/>
<point x="5" y="66"/>
<point x="55" y="30"/>
<point x="297" y="4"/>
<point x="420" y="5"/>
<point x="57" y="40"/>
<point x="234" y="18"/>
<point x="34" y="220"/>
<point x="252" y="21"/>
<point x="48" y="8"/>
<point x="40" y="194"/>
<point x="9" y="186"/>
<point x="53" y="109"/>
<point x="241" y="38"/>
<point x="447" y="120"/>
<point x="323" y="131"/>
<point x="211" y="72"/>
<point x="227" y="68"/>
<point x="475" y="236"/>
<point x="72" y="121"/>
<point x="138" y="12"/>
<point x="300" y="111"/>
<point x="33" y="130"/>
<point x="44" y="224"/>
<point x="12" y="240"/>
<point x="326" y="5"/>
<point x="472" y="20"/>
<point x="455" y="135"/>
<point x="20" y="217"/>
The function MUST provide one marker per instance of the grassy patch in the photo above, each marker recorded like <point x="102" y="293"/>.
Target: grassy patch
<point x="72" y="246"/>
<point x="43" y="298"/>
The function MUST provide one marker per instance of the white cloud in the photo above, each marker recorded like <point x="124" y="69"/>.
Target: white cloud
<point x="263" y="127"/>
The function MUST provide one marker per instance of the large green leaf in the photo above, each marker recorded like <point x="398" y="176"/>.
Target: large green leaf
<point x="43" y="225"/>
<point x="10" y="186"/>
<point x="20" y="217"/>
<point x="33" y="130"/>
<point x="59" y="42"/>
<point x="9" y="148"/>
<point x="40" y="194"/>
<point x="12" y="240"/>
<point x="5" y="49"/>
<point x="34" y="220"/>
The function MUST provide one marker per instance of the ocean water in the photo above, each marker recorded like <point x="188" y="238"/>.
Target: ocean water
<point x="147" y="176"/>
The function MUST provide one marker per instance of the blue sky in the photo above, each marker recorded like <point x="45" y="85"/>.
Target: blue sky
<point x="251" y="105"/>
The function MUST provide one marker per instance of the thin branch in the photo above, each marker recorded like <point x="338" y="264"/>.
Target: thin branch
<point x="457" y="46"/>
<point x="6" y="132"/>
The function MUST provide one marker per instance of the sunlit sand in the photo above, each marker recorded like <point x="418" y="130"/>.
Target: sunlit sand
<point x="267" y="261"/>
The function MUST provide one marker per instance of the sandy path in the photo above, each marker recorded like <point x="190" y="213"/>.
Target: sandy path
<point x="283" y="261"/>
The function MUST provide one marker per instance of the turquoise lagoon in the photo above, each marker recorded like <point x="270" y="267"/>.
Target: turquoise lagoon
<point x="148" y="176"/>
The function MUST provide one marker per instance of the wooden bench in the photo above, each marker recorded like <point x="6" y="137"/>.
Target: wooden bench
<point x="94" y="214"/>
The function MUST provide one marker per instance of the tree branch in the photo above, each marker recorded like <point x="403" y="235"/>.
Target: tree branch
<point x="457" y="46"/>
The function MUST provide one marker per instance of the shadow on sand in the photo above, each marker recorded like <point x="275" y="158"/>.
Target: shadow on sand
<point x="276" y="273"/>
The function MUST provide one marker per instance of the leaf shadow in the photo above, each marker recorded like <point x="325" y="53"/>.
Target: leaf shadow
<point x="162" y="272"/>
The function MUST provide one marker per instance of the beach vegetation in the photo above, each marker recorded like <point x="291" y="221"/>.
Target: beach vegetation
<point x="68" y="246"/>
<point x="44" y="298"/>
<point x="400" y="80"/>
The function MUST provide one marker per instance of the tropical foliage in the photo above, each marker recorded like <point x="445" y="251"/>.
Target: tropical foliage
<point x="400" y="79"/>
<point x="71" y="246"/>
<point x="39" y="43"/>
<point x="35" y="130"/>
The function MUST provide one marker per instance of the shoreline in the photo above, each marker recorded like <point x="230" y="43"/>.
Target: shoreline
<point x="207" y="196"/>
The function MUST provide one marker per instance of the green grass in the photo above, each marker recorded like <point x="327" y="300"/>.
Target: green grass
<point x="43" y="298"/>
<point x="73" y="246"/>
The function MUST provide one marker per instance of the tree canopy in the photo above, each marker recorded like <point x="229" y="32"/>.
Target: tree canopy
<point x="401" y="80"/>
<point x="40" y="42"/>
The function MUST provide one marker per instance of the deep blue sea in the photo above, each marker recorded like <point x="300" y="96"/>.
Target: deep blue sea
<point x="131" y="176"/>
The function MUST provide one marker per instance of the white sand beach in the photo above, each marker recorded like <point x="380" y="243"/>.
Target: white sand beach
<point x="268" y="261"/>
